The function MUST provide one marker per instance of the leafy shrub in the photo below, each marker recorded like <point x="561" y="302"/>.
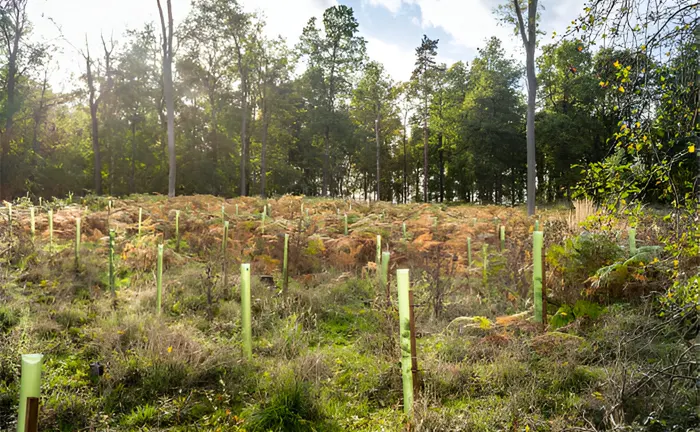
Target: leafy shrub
<point x="582" y="309"/>
<point x="143" y="415"/>
<point x="579" y="258"/>
<point x="291" y="409"/>
<point x="8" y="319"/>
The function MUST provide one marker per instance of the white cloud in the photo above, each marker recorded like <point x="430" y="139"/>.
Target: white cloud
<point x="397" y="61"/>
<point x="392" y="5"/>
<point x="287" y="17"/>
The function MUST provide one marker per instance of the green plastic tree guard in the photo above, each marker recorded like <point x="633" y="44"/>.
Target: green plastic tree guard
<point x="159" y="279"/>
<point x="245" y="312"/>
<point x="77" y="242"/>
<point x="379" y="251"/>
<point x="224" y="238"/>
<point x="632" y="234"/>
<point x="177" y="230"/>
<point x="403" y="230"/>
<point x="485" y="257"/>
<point x="140" y="218"/>
<point x="112" y="279"/>
<point x="236" y="209"/>
<point x="537" y="241"/>
<point x="285" y="274"/>
<point x="224" y="248"/>
<point x="9" y="216"/>
<point x="262" y="224"/>
<point x="30" y="385"/>
<point x="469" y="251"/>
<point x="32" y="221"/>
<point x="345" y="224"/>
<point x="50" y="227"/>
<point x="384" y="273"/>
<point x="503" y="238"/>
<point x="402" y="279"/>
<point x="537" y="225"/>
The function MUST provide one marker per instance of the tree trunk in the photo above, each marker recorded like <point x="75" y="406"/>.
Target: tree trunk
<point x="263" y="155"/>
<point x="132" y="176"/>
<point x="376" y="133"/>
<point x="97" y="162"/>
<point x="529" y="37"/>
<point x="168" y="91"/>
<point x="244" y="139"/>
<point x="405" y="166"/>
<point x="326" y="160"/>
<point x="442" y="168"/>
<point x="425" y="158"/>
<point x="11" y="103"/>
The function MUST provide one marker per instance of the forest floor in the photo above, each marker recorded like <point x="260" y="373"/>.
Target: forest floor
<point x="326" y="353"/>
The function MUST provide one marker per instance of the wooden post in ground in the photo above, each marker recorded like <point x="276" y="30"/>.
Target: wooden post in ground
<point x="414" y="354"/>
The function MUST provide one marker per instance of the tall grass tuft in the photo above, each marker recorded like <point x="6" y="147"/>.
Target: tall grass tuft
<point x="581" y="211"/>
<point x="291" y="409"/>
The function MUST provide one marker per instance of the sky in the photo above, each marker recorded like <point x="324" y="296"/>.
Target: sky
<point x="392" y="28"/>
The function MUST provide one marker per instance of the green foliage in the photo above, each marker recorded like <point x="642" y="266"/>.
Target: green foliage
<point x="582" y="309"/>
<point x="292" y="408"/>
<point x="579" y="258"/>
<point x="8" y="318"/>
<point x="144" y="415"/>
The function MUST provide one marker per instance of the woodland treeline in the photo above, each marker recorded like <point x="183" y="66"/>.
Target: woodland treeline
<point x="255" y="115"/>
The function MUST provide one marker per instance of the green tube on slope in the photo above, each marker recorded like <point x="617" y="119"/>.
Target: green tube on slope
<point x="632" y="234"/>
<point x="32" y="221"/>
<point x="379" y="251"/>
<point x="503" y="238"/>
<point x="140" y="218"/>
<point x="403" y="230"/>
<point x="51" y="227"/>
<point x="245" y="312"/>
<point x="9" y="216"/>
<point x="77" y="242"/>
<point x="177" y="230"/>
<point x="402" y="279"/>
<point x="469" y="251"/>
<point x="285" y="279"/>
<point x="537" y="241"/>
<point x="30" y="385"/>
<point x="345" y="223"/>
<point x="112" y="286"/>
<point x="236" y="209"/>
<point x="224" y="238"/>
<point x="159" y="279"/>
<point x="537" y="225"/>
<point x="262" y="224"/>
<point x="384" y="273"/>
<point x="485" y="257"/>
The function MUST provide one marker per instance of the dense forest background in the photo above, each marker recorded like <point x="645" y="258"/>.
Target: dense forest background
<point x="618" y="98"/>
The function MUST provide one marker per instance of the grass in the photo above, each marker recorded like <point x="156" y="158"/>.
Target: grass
<point x="326" y="353"/>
